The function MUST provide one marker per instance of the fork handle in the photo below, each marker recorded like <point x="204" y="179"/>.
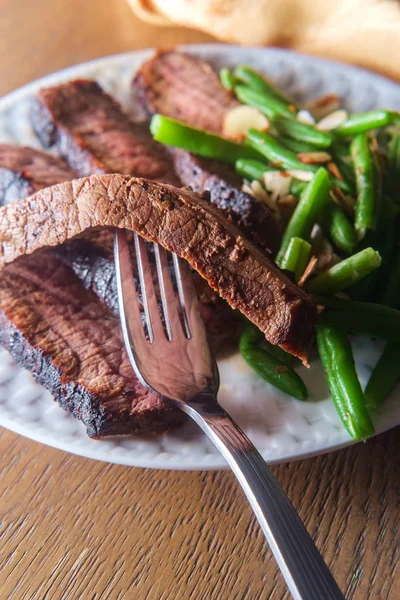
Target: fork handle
<point x="304" y="570"/>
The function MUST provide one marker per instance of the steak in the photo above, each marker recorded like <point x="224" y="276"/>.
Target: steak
<point x="48" y="318"/>
<point x="182" y="222"/>
<point x="90" y="130"/>
<point x="223" y="185"/>
<point x="186" y="88"/>
<point x="24" y="171"/>
<point x="72" y="343"/>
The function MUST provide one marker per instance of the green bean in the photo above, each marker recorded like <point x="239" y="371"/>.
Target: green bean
<point x="296" y="257"/>
<point x="251" y="169"/>
<point x="313" y="199"/>
<point x="362" y="317"/>
<point x="255" y="337"/>
<point x="343" y="185"/>
<point x="269" y="368"/>
<point x="345" y="273"/>
<point x="366" y="208"/>
<point x="338" y="361"/>
<point x="393" y="175"/>
<point x="267" y="104"/>
<point x="341" y="156"/>
<point x="302" y="132"/>
<point x="295" y="145"/>
<point x="227" y="79"/>
<point x="174" y="133"/>
<point x="363" y="122"/>
<point x="248" y="76"/>
<point x="297" y="186"/>
<point x="383" y="241"/>
<point x="391" y="293"/>
<point x="337" y="226"/>
<point x="384" y="376"/>
<point x="275" y="152"/>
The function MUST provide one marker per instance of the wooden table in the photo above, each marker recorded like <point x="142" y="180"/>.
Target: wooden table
<point x="72" y="528"/>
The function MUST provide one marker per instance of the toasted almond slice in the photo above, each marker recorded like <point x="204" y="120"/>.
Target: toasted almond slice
<point x="301" y="175"/>
<point x="335" y="171"/>
<point x="277" y="183"/>
<point x="256" y="190"/>
<point x="314" y="158"/>
<point x="309" y="270"/>
<point x="324" y="105"/>
<point x="240" y="119"/>
<point x="304" y="116"/>
<point x="333" y="120"/>
<point x="345" y="201"/>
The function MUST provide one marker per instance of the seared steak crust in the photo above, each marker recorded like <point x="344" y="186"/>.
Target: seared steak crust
<point x="89" y="128"/>
<point x="73" y="346"/>
<point x="182" y="222"/>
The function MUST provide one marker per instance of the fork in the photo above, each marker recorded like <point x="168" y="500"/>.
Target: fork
<point x="174" y="361"/>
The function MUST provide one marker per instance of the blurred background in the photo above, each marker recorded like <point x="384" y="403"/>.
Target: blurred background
<point x="60" y="33"/>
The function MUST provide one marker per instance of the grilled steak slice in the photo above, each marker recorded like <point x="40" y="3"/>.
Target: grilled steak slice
<point x="186" y="88"/>
<point x="72" y="343"/>
<point x="24" y="171"/>
<point x="182" y="222"/>
<point x="224" y="187"/>
<point x="89" y="128"/>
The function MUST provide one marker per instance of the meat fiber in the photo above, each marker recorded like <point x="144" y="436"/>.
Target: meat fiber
<point x="182" y="222"/>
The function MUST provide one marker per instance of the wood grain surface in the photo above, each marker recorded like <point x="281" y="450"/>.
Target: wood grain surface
<point x="71" y="528"/>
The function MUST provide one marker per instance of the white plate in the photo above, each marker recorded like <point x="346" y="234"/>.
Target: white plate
<point x="282" y="428"/>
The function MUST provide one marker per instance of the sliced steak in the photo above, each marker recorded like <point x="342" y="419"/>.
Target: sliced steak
<point x="186" y="88"/>
<point x="89" y="128"/>
<point x="223" y="185"/>
<point x="48" y="318"/>
<point x="24" y="171"/>
<point x="72" y="343"/>
<point x="182" y="222"/>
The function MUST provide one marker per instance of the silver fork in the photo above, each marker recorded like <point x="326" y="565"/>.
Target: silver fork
<point x="179" y="367"/>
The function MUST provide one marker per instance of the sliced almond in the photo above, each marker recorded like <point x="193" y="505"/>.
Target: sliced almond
<point x="324" y="105"/>
<point x="333" y="120"/>
<point x="277" y="183"/>
<point x="304" y="116"/>
<point x="345" y="201"/>
<point x="308" y="271"/>
<point x="286" y="205"/>
<point x="240" y="119"/>
<point x="314" y="158"/>
<point x="256" y="190"/>
<point x="334" y="170"/>
<point x="301" y="175"/>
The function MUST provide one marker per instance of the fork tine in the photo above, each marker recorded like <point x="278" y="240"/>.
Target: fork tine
<point x="194" y="323"/>
<point x="150" y="304"/>
<point x="168" y="296"/>
<point x="131" y="320"/>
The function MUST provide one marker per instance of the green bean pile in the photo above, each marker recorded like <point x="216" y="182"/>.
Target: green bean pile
<point x="346" y="181"/>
